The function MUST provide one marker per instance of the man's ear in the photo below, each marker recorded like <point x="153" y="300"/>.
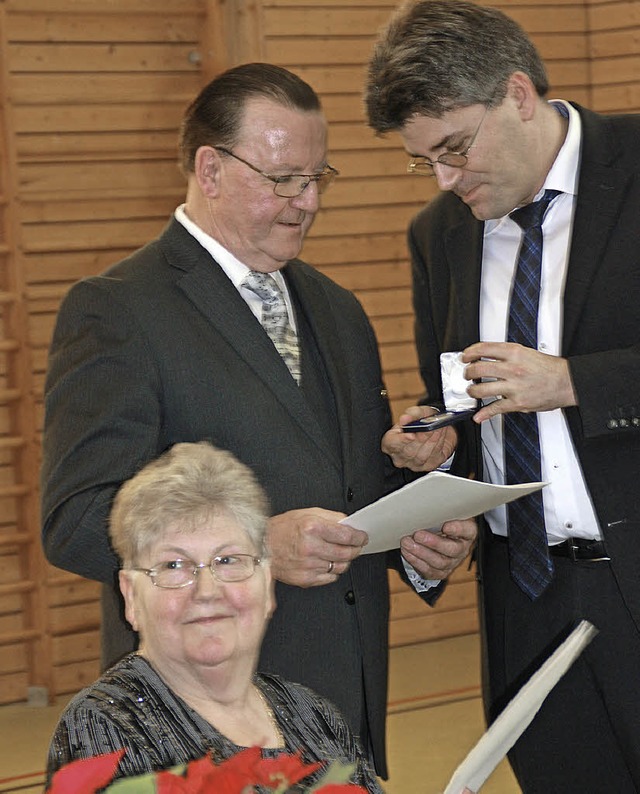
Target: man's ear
<point x="207" y="170"/>
<point x="524" y="94"/>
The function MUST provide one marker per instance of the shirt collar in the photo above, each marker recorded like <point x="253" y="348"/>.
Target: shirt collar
<point x="234" y="268"/>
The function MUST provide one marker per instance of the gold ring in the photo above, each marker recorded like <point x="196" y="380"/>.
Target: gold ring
<point x="330" y="568"/>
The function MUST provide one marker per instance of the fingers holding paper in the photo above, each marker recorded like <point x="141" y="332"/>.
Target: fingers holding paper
<point x="419" y="451"/>
<point x="436" y="555"/>
<point x="310" y="547"/>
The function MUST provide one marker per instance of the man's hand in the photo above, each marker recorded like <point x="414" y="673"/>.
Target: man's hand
<point x="525" y="379"/>
<point x="435" y="556"/>
<point x="419" y="451"/>
<point x="310" y="548"/>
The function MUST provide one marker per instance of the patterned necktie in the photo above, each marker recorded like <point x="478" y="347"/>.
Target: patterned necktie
<point x="531" y="566"/>
<point x="275" y="319"/>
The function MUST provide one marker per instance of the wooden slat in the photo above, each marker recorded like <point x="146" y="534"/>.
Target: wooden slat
<point x="98" y="146"/>
<point x="620" y="70"/>
<point x="374" y="275"/>
<point x="309" y="23"/>
<point x="107" y="57"/>
<point x="613" y="16"/>
<point x="74" y="591"/>
<point x="73" y="26"/>
<point x="70" y="678"/>
<point x="92" y="89"/>
<point x="378" y="303"/>
<point x="49" y="118"/>
<point x="74" y="618"/>
<point x="13" y="687"/>
<point x="80" y="647"/>
<point x="437" y="626"/>
<point x="13" y="659"/>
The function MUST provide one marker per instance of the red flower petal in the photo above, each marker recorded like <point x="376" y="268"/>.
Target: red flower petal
<point x="168" y="783"/>
<point x="86" y="775"/>
<point x="285" y="768"/>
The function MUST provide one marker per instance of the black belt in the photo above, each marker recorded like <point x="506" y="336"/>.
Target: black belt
<point x="580" y="549"/>
<point x="574" y="549"/>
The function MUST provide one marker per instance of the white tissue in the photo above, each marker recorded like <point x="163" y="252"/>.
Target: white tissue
<point x="454" y="383"/>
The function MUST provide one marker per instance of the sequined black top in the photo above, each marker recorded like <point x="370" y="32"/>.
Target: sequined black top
<point x="131" y="707"/>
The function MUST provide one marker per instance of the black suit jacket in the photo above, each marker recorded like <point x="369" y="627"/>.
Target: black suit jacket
<point x="161" y="349"/>
<point x="600" y="330"/>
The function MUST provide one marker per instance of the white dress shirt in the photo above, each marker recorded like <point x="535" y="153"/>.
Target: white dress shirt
<point x="568" y="510"/>
<point x="234" y="269"/>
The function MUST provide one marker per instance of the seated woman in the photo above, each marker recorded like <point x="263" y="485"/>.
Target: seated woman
<point x="190" y="531"/>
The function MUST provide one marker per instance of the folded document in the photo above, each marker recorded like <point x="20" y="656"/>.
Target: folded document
<point x="427" y="503"/>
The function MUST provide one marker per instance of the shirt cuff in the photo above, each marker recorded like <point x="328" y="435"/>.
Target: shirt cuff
<point x="419" y="584"/>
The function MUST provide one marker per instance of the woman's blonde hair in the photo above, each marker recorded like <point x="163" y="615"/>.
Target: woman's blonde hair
<point x="186" y="487"/>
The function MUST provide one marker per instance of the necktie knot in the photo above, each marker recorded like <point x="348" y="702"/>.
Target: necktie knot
<point x="264" y="286"/>
<point x="531" y="215"/>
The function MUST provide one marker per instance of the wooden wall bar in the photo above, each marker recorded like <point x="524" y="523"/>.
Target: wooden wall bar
<point x="91" y="94"/>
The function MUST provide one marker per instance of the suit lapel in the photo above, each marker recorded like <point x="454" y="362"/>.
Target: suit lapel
<point x="601" y="191"/>
<point x="463" y="243"/>
<point x="213" y="294"/>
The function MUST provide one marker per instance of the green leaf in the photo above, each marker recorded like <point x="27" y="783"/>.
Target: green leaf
<point x="338" y="774"/>
<point x="140" y="784"/>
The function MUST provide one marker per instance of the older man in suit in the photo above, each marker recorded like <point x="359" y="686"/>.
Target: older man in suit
<point x="168" y="346"/>
<point x="546" y="312"/>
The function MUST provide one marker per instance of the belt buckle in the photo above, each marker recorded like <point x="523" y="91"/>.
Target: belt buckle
<point x="573" y="548"/>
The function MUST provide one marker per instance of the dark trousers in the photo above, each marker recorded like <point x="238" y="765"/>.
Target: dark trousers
<point x="586" y="736"/>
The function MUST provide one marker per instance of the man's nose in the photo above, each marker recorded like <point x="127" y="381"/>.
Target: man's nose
<point x="446" y="175"/>
<point x="309" y="199"/>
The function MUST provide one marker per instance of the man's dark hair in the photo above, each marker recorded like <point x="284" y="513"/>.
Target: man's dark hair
<point x="214" y="118"/>
<point x="440" y="55"/>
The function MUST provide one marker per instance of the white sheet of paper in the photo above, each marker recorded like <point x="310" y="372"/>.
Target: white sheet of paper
<point x="512" y="721"/>
<point x="427" y="503"/>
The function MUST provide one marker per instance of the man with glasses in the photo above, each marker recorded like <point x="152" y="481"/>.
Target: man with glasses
<point x="216" y="331"/>
<point x="529" y="264"/>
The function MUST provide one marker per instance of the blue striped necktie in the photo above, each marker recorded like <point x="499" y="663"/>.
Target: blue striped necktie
<point x="275" y="318"/>
<point x="530" y="563"/>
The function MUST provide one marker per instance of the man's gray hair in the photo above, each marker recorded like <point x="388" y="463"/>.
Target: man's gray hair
<point x="441" y="55"/>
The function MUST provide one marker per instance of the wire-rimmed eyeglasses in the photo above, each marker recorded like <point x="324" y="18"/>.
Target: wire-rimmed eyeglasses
<point x="181" y="573"/>
<point x="290" y="185"/>
<point x="424" y="166"/>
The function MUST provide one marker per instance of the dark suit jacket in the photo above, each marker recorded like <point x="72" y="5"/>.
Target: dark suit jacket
<point x="162" y="348"/>
<point x="601" y="324"/>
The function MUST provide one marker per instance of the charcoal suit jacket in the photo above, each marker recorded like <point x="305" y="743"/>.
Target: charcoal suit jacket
<point x="161" y="348"/>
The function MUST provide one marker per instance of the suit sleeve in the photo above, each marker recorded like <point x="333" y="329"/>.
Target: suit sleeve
<point x="102" y="414"/>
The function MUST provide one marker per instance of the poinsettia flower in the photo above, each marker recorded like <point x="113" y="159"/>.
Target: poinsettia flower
<point x="241" y="770"/>
<point x="284" y="768"/>
<point x="86" y="775"/>
<point x="236" y="775"/>
<point x="233" y="776"/>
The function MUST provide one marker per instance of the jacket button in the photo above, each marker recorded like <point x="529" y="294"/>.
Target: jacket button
<point x="349" y="495"/>
<point x="612" y="424"/>
<point x="350" y="597"/>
